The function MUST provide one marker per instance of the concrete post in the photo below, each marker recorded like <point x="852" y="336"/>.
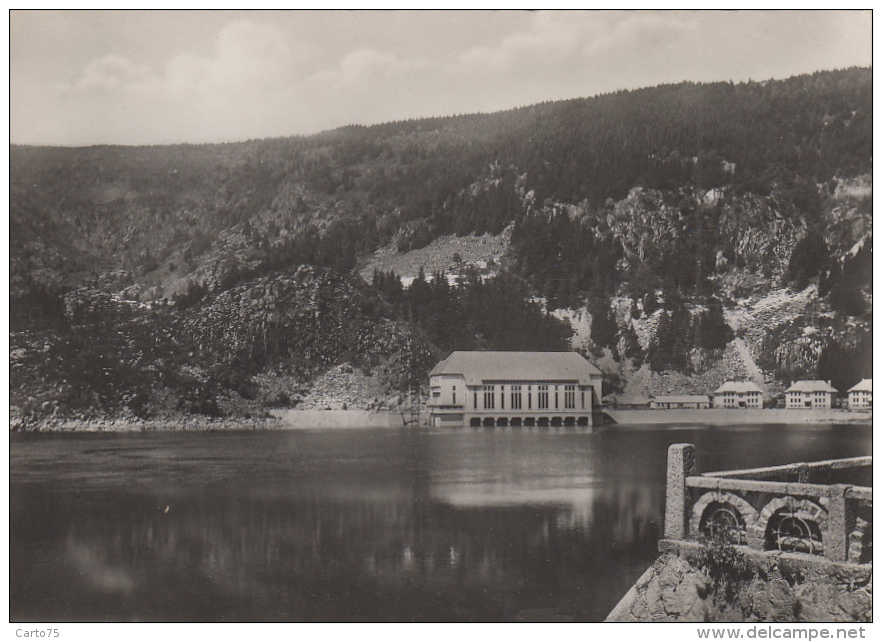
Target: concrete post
<point x="836" y="537"/>
<point x="681" y="464"/>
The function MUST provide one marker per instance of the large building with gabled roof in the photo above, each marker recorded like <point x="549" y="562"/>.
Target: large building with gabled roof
<point x="738" y="394"/>
<point x="811" y="394"/>
<point x="514" y="389"/>
<point x="860" y="396"/>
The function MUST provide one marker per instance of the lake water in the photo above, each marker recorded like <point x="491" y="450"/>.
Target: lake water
<point x="350" y="525"/>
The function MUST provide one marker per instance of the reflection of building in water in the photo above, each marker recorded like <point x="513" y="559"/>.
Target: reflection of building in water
<point x="627" y="512"/>
<point x="313" y="558"/>
<point x="462" y="554"/>
<point x="514" y="389"/>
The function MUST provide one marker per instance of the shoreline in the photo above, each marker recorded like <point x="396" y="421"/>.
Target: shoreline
<point x="293" y="419"/>
<point x="735" y="417"/>
<point x="184" y="423"/>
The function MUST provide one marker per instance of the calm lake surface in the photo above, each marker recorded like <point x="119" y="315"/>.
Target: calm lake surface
<point x="355" y="524"/>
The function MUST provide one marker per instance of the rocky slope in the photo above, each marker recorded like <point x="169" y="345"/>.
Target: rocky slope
<point x="246" y="349"/>
<point x="678" y="588"/>
<point x="222" y="279"/>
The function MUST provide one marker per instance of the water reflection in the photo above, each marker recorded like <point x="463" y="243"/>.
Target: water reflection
<point x="349" y="526"/>
<point x="217" y="557"/>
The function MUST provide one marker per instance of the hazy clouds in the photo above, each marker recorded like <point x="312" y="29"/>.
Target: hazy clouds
<point x="150" y="77"/>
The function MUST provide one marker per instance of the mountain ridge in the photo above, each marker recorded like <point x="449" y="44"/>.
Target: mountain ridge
<point x="694" y="199"/>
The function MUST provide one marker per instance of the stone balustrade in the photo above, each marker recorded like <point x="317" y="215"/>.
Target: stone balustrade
<point x="820" y="508"/>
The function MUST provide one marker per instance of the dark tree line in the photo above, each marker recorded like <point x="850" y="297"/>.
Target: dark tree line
<point x="475" y="313"/>
<point x="679" y="332"/>
<point x="842" y="282"/>
<point x="570" y="261"/>
<point x="564" y="259"/>
<point x="845" y="363"/>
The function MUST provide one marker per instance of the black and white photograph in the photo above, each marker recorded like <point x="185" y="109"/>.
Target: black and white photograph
<point x="441" y="316"/>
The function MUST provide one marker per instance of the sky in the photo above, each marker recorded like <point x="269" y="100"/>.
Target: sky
<point x="156" y="77"/>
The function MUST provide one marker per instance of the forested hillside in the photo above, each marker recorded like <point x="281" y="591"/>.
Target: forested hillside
<point x="670" y="228"/>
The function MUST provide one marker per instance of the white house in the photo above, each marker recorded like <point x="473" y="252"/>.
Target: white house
<point x="861" y="395"/>
<point x="738" y="394"/>
<point x="811" y="394"/>
<point x="671" y="402"/>
<point x="513" y="389"/>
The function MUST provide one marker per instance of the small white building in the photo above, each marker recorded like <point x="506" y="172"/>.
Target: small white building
<point x="860" y="396"/>
<point x="514" y="389"/>
<point x="672" y="402"/>
<point x="738" y="394"/>
<point x="811" y="394"/>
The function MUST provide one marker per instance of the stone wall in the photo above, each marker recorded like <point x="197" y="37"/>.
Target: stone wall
<point x="768" y="509"/>
<point x="339" y="419"/>
<point x="685" y="585"/>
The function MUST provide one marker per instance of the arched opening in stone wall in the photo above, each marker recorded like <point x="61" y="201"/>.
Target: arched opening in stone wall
<point x="723" y="522"/>
<point x="530" y="421"/>
<point x="570" y="421"/>
<point x="475" y="422"/>
<point x="542" y="422"/>
<point x="723" y="515"/>
<point x="583" y="421"/>
<point x="793" y="532"/>
<point x="516" y="422"/>
<point x="502" y="421"/>
<point x="557" y="422"/>
<point x="488" y="422"/>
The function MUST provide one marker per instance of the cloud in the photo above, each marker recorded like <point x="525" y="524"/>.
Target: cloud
<point x="364" y="69"/>
<point x="363" y="63"/>
<point x="299" y="73"/>
<point x="247" y="86"/>
<point x="247" y="55"/>
<point x="258" y="79"/>
<point x="646" y="30"/>
<point x="555" y="37"/>
<point x="549" y="36"/>
<point x="250" y="53"/>
<point x="107" y="74"/>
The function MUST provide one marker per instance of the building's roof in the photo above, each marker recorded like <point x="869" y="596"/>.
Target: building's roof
<point x="866" y="385"/>
<point x="518" y="366"/>
<point x="738" y="387"/>
<point x="680" y="399"/>
<point x="814" y="385"/>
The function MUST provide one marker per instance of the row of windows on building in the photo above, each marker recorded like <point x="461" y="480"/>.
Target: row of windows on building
<point x="749" y="399"/>
<point x="809" y="395"/>
<point x="517" y="393"/>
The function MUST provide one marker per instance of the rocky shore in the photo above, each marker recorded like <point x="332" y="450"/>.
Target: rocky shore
<point x="183" y="423"/>
<point x="733" y="417"/>
<point x="769" y="588"/>
<point x="346" y="387"/>
<point x="345" y="399"/>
